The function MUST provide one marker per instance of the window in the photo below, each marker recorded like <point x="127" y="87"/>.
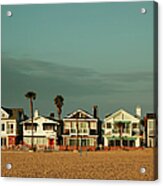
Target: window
<point x="93" y="125"/>
<point x="151" y="124"/>
<point x="3" y="127"/>
<point x="108" y="125"/>
<point x="67" y="125"/>
<point x="117" y="142"/>
<point x="28" y="126"/>
<point x="85" y="130"/>
<point x="3" y="141"/>
<point x="83" y="125"/>
<point x="134" y="125"/>
<point x="84" y="142"/>
<point x="72" y="142"/>
<point x="73" y="125"/>
<point x="73" y="131"/>
<point x="91" y="142"/>
<point x="48" y="126"/>
<point x="10" y="128"/>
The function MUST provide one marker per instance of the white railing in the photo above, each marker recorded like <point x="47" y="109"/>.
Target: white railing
<point x="83" y="131"/>
<point x="73" y="131"/>
<point x="79" y="132"/>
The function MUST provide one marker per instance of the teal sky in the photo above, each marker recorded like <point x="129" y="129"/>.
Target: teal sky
<point x="96" y="53"/>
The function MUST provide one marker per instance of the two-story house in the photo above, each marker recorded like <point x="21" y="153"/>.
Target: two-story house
<point x="150" y="130"/>
<point x="11" y="133"/>
<point x="44" y="131"/>
<point x="122" y="130"/>
<point x="81" y="130"/>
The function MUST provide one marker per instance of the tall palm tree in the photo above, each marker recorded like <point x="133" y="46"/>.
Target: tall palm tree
<point x="31" y="96"/>
<point x="58" y="101"/>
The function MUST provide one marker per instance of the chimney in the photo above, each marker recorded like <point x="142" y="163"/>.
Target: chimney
<point x="94" y="111"/>
<point x="138" y="111"/>
<point x="36" y="113"/>
<point x="52" y="115"/>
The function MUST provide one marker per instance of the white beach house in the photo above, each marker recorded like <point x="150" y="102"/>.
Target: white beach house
<point x="122" y="130"/>
<point x="44" y="131"/>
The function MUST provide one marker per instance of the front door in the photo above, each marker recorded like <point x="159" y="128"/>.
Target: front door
<point x="51" y="143"/>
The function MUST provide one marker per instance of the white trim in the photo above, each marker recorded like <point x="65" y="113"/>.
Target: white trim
<point x="47" y="120"/>
<point x="4" y="112"/>
<point x="81" y="111"/>
<point x="121" y="111"/>
<point x="80" y="119"/>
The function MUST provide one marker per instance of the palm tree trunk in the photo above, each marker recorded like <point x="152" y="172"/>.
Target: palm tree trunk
<point x="31" y="108"/>
<point x="59" y="114"/>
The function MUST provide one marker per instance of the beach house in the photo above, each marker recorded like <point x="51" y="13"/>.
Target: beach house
<point x="11" y="132"/>
<point x="150" y="123"/>
<point x="81" y="130"/>
<point x="122" y="130"/>
<point x="44" y="131"/>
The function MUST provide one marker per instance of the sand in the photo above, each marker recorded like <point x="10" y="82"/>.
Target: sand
<point x="111" y="165"/>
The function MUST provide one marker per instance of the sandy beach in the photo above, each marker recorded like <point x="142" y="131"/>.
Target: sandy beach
<point x="88" y="165"/>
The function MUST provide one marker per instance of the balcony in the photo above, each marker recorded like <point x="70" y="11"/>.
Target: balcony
<point x="115" y="131"/>
<point x="83" y="131"/>
<point x="79" y="132"/>
<point x="73" y="131"/>
<point x="127" y="131"/>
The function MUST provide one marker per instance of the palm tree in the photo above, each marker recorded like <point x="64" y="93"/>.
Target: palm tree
<point x="58" y="101"/>
<point x="31" y="96"/>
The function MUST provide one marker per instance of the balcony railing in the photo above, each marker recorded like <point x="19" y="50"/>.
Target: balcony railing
<point x="73" y="131"/>
<point x="83" y="131"/>
<point x="79" y="132"/>
<point x="116" y="131"/>
<point x="126" y="131"/>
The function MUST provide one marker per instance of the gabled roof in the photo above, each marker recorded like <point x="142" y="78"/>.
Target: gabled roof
<point x="13" y="113"/>
<point x="4" y="113"/>
<point x="79" y="113"/>
<point x="123" y="113"/>
<point x="47" y="120"/>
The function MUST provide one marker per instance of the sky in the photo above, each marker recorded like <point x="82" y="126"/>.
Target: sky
<point x="90" y="53"/>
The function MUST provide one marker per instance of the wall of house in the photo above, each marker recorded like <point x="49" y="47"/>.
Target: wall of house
<point x="42" y="141"/>
<point x="40" y="131"/>
<point x="41" y="136"/>
<point x="9" y="133"/>
<point x="151" y="132"/>
<point x="129" y="130"/>
<point x="137" y="142"/>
